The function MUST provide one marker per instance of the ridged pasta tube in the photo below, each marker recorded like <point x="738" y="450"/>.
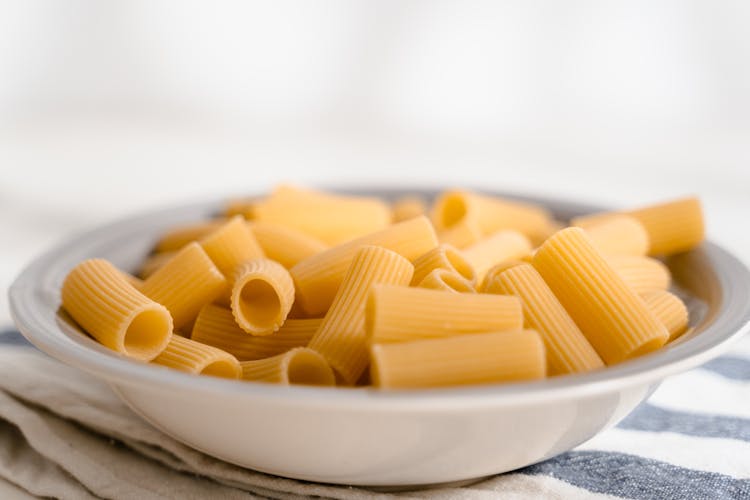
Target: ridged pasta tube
<point x="153" y="262"/>
<point x="327" y="217"/>
<point x="568" y="351"/>
<point x="285" y="245"/>
<point x="317" y="278"/>
<point x="461" y="234"/>
<point x="494" y="271"/>
<point x="407" y="208"/>
<point x="614" y="319"/>
<point x="99" y="298"/>
<point x="185" y="283"/>
<point x="674" y="226"/>
<point x="619" y="235"/>
<point x="443" y="256"/>
<point x="670" y="310"/>
<point x="262" y="296"/>
<point x="642" y="274"/>
<point x="178" y="237"/>
<point x="216" y="326"/>
<point x="341" y="338"/>
<point x="230" y="245"/>
<point x="448" y="281"/>
<point x="193" y="357"/>
<point x="297" y="366"/>
<point x="482" y="358"/>
<point x="399" y="314"/>
<point x="496" y="248"/>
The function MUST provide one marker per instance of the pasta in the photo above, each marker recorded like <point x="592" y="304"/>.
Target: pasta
<point x="642" y="274"/>
<point x="614" y="319"/>
<point x="461" y="234"/>
<point x="619" y="235"/>
<point x="262" y="296"/>
<point x="496" y="248"/>
<point x="317" y="278"/>
<point x="185" y="283"/>
<point x="99" y="298"/>
<point x="217" y="327"/>
<point x="193" y="357"/>
<point x="341" y="338"/>
<point x="329" y="218"/>
<point x="674" y="226"/>
<point x="495" y="271"/>
<point x="443" y="279"/>
<point x="442" y="257"/>
<point x="154" y="262"/>
<point x="241" y="206"/>
<point x="297" y="366"/>
<point x="230" y="245"/>
<point x="398" y="314"/>
<point x="284" y="245"/>
<point x="407" y="208"/>
<point x="568" y="351"/>
<point x="176" y="238"/>
<point x="670" y="310"/>
<point x="467" y="359"/>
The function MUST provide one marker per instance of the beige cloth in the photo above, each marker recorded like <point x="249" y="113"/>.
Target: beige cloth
<point x="65" y="434"/>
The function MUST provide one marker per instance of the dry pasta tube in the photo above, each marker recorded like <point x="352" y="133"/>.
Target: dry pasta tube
<point x="494" y="271"/>
<point x="193" y="357"/>
<point x="447" y="281"/>
<point x="400" y="314"/>
<point x="329" y="218"/>
<point x="482" y="358"/>
<point x="462" y="234"/>
<point x="297" y="366"/>
<point x="341" y="338"/>
<point x="673" y="226"/>
<point x="153" y="263"/>
<point x="499" y="247"/>
<point x="262" y="296"/>
<point x="407" y="208"/>
<point x="619" y="235"/>
<point x="178" y="237"/>
<point x="284" y="245"/>
<point x="111" y="310"/>
<point x="216" y="326"/>
<point x="230" y="245"/>
<point x="241" y="206"/>
<point x="490" y="213"/>
<point x="185" y="284"/>
<point x="642" y="274"/>
<point x="442" y="257"/>
<point x="670" y="310"/>
<point x="614" y="319"/>
<point x="133" y="280"/>
<point x="568" y="351"/>
<point x="317" y="278"/>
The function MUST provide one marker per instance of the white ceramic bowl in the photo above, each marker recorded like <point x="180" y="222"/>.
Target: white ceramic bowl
<point x="363" y="436"/>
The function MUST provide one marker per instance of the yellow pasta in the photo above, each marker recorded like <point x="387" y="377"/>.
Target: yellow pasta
<point x="568" y="351"/>
<point x="317" y="278"/>
<point x="491" y="214"/>
<point x="407" y="208"/>
<point x="99" y="298"/>
<point x="461" y="234"/>
<point x="496" y="248"/>
<point x="495" y="271"/>
<point x="176" y="238"/>
<point x="193" y="357"/>
<point x="241" y="206"/>
<point x="442" y="257"/>
<point x="330" y="218"/>
<point x="133" y="280"/>
<point x="217" y="327"/>
<point x="399" y="314"/>
<point x="284" y="245"/>
<point x="230" y="245"/>
<point x="467" y="359"/>
<point x="642" y="274"/>
<point x="614" y="319"/>
<point x="670" y="310"/>
<point x="262" y="296"/>
<point x="619" y="235"/>
<point x="674" y="226"/>
<point x="185" y="283"/>
<point x="341" y="338"/>
<point x="153" y="263"/>
<point x="297" y="366"/>
<point x="448" y="281"/>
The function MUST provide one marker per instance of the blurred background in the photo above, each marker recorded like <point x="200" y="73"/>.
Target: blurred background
<point x="109" y="107"/>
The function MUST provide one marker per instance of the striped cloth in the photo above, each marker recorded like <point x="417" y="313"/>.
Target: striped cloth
<point x="690" y="440"/>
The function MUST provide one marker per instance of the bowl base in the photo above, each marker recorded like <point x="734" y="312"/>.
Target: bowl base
<point x="430" y="486"/>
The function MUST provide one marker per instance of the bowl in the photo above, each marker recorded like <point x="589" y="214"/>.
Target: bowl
<point x="366" y="437"/>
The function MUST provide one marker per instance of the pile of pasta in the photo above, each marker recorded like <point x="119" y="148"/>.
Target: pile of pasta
<point x="308" y="287"/>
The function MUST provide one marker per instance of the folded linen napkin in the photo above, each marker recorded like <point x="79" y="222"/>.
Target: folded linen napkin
<point x="65" y="434"/>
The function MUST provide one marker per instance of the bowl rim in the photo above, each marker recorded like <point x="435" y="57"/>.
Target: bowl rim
<point x="34" y="314"/>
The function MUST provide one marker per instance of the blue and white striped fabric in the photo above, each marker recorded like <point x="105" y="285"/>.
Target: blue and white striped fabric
<point x="690" y="440"/>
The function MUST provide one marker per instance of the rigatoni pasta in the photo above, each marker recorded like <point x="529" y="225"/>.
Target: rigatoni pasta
<point x="176" y="238"/>
<point x="262" y="296"/>
<point x="670" y="310"/>
<point x="443" y="256"/>
<point x="230" y="245"/>
<point x="642" y="274"/>
<point x="298" y="366"/>
<point x="285" y="245"/>
<point x="407" y="208"/>
<point x="200" y="359"/>
<point x="496" y="248"/>
<point x="448" y="281"/>
<point x="619" y="235"/>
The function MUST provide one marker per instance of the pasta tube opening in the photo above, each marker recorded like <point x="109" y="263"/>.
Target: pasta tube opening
<point x="147" y="333"/>
<point x="262" y="296"/>
<point x="223" y="368"/>
<point x="443" y="279"/>
<point x="307" y="367"/>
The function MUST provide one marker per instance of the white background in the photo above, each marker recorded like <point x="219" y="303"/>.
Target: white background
<point x="111" y="107"/>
